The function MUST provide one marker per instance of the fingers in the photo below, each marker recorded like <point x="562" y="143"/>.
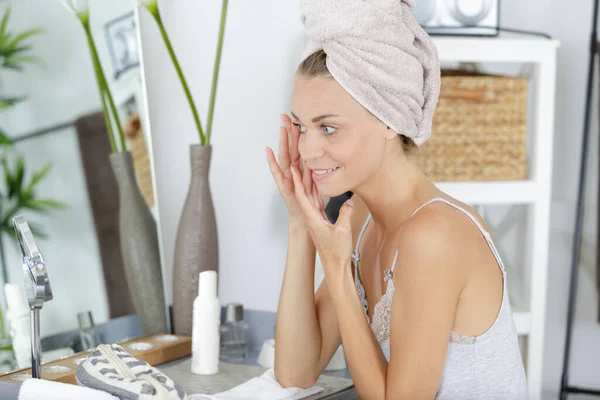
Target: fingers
<point x="313" y="200"/>
<point x="307" y="179"/>
<point x="310" y="211"/>
<point x="284" y="151"/>
<point x="345" y="216"/>
<point x="287" y="121"/>
<point x="295" y="138"/>
<point x="314" y="197"/>
<point x="292" y="142"/>
<point x="319" y="200"/>
<point x="275" y="169"/>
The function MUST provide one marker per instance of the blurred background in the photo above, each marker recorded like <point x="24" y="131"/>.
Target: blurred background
<point x="53" y="118"/>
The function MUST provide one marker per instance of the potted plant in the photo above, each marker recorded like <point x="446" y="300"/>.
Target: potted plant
<point x="196" y="245"/>
<point x="137" y="227"/>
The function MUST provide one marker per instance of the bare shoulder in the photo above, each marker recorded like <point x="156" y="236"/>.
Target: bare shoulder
<point x="440" y="235"/>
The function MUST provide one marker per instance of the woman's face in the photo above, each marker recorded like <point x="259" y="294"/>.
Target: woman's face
<point x="340" y="141"/>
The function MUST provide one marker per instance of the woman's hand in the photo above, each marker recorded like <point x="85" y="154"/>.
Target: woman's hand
<point x="289" y="157"/>
<point x="333" y="241"/>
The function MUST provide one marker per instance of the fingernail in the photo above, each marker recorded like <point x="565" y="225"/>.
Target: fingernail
<point x="350" y="203"/>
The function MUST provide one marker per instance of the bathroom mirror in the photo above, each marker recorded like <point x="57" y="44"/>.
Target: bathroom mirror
<point x="37" y="285"/>
<point x="57" y="172"/>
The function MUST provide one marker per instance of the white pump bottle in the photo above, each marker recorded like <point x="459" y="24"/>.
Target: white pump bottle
<point x="206" y="326"/>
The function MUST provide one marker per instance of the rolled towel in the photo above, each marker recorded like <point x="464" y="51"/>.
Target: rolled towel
<point x="41" y="389"/>
<point x="380" y="55"/>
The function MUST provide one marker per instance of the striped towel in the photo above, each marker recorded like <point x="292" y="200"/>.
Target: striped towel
<point x="112" y="369"/>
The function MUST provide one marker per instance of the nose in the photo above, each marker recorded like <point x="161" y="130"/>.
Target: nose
<point x="310" y="146"/>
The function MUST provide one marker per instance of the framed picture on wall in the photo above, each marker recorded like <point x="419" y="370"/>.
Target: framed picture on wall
<point x="122" y="43"/>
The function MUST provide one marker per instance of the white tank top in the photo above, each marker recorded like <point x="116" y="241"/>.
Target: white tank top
<point x="488" y="366"/>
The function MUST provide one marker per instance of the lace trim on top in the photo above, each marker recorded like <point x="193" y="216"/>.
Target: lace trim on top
<point x="383" y="309"/>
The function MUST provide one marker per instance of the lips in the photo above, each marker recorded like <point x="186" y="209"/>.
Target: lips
<point x="320" y="174"/>
<point x="324" y="171"/>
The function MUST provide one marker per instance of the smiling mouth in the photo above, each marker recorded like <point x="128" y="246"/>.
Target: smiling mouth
<point x="319" y="174"/>
<point x="324" y="171"/>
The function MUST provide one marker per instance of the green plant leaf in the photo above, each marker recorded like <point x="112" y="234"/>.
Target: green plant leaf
<point x="19" y="176"/>
<point x="43" y="205"/>
<point x="37" y="177"/>
<point x="7" y="217"/>
<point x="7" y="51"/>
<point x="7" y="228"/>
<point x="6" y="102"/>
<point x="8" y="178"/>
<point x="14" y="53"/>
<point x="4" y="22"/>
<point x="16" y="59"/>
<point x="4" y="140"/>
<point x="17" y="62"/>
<point x="23" y="36"/>
<point x="14" y="178"/>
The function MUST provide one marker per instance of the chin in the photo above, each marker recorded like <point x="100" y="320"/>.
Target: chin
<point x="332" y="190"/>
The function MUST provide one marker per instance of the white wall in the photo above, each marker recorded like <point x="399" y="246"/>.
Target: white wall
<point x="61" y="90"/>
<point x="262" y="47"/>
<point x="254" y="88"/>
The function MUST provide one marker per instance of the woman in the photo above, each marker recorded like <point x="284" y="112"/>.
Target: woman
<point x="414" y="288"/>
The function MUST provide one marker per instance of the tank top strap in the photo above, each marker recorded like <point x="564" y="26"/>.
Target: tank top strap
<point x="484" y="232"/>
<point x="362" y="232"/>
<point x="389" y="273"/>
<point x="355" y="253"/>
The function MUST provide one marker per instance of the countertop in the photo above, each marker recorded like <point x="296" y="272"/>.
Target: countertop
<point x="337" y="384"/>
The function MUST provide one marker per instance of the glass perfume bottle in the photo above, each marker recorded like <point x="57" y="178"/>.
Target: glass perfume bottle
<point x="234" y="334"/>
<point x="87" y="331"/>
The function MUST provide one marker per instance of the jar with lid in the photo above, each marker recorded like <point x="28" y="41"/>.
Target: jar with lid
<point x="234" y="334"/>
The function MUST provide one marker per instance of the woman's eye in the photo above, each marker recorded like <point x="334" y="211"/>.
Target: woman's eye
<point x="328" y="129"/>
<point x="300" y="127"/>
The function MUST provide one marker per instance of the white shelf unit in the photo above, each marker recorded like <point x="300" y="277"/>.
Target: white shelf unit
<point x="534" y="192"/>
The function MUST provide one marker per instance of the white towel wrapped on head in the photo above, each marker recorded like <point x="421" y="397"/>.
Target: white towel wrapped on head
<point x="380" y="55"/>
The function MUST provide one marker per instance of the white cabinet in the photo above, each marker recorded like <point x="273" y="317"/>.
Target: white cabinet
<point x="534" y="192"/>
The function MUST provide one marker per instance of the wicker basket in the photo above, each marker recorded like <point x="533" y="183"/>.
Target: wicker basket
<point x="479" y="129"/>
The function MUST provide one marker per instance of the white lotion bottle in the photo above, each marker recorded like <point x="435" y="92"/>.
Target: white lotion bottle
<point x="19" y="323"/>
<point x="206" y="326"/>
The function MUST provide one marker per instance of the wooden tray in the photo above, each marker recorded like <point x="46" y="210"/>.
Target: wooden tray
<point x="154" y="349"/>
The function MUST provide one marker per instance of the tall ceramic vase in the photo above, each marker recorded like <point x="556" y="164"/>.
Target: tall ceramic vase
<point x="139" y="246"/>
<point x="196" y="245"/>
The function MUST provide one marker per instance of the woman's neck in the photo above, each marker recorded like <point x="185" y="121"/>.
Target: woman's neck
<point x="395" y="191"/>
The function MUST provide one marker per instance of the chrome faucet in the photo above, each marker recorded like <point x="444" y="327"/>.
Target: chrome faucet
<point x="37" y="287"/>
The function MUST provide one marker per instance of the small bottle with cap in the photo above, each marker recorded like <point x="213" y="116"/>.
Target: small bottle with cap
<point x="234" y="334"/>
<point x="206" y="321"/>
<point x="88" y="336"/>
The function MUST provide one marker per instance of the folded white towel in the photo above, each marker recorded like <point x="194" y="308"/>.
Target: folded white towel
<point x="41" y="389"/>
<point x="380" y="55"/>
<point x="264" y="387"/>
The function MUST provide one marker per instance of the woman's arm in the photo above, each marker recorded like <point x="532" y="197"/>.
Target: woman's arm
<point x="306" y="332"/>
<point x="428" y="279"/>
<point x="367" y="365"/>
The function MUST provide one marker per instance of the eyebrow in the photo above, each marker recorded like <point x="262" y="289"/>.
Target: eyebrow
<point x="317" y="119"/>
